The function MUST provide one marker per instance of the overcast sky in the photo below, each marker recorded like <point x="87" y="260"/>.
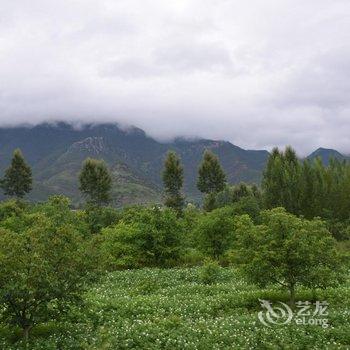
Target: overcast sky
<point x="256" y="73"/>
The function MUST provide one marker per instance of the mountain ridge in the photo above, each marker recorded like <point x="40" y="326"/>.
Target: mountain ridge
<point x="56" y="151"/>
<point x="326" y="154"/>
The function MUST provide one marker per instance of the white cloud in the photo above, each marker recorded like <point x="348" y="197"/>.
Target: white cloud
<point x="257" y="73"/>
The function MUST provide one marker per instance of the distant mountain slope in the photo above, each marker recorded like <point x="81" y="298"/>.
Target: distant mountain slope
<point x="56" y="152"/>
<point x="326" y="154"/>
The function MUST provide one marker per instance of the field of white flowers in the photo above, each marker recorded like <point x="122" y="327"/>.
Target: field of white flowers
<point x="175" y="309"/>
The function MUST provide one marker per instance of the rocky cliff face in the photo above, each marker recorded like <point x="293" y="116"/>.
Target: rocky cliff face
<point x="93" y="145"/>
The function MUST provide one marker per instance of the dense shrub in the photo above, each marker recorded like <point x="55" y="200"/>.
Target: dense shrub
<point x="215" y="232"/>
<point x="98" y="218"/>
<point x="11" y="208"/>
<point x="191" y="257"/>
<point x="143" y="237"/>
<point x="189" y="220"/>
<point x="209" y="273"/>
<point x="247" y="205"/>
<point x="58" y="209"/>
<point x="340" y="230"/>
<point x="233" y="194"/>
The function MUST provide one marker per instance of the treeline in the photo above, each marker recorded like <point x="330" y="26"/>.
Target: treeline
<point x="309" y="188"/>
<point x="95" y="180"/>
<point x="49" y="254"/>
<point x="306" y="188"/>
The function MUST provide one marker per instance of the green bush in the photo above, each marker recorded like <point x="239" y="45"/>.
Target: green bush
<point x="340" y="230"/>
<point x="229" y="258"/>
<point x="98" y="218"/>
<point x="58" y="210"/>
<point x="191" y="257"/>
<point x="209" y="273"/>
<point x="247" y="205"/>
<point x="215" y="232"/>
<point x="190" y="218"/>
<point x="150" y="237"/>
<point x="11" y="208"/>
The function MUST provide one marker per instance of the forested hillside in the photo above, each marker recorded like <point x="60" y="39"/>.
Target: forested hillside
<point x="56" y="152"/>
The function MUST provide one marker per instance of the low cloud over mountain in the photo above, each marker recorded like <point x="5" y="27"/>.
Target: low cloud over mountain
<point x="257" y="73"/>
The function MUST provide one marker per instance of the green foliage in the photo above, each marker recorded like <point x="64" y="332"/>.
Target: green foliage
<point x="147" y="285"/>
<point x="58" y="210"/>
<point x="211" y="178"/>
<point x="340" y="230"/>
<point x="247" y="205"/>
<point x="143" y="237"/>
<point x="11" y="208"/>
<point x="43" y="266"/>
<point x="240" y="191"/>
<point x="98" y="218"/>
<point x="215" y="232"/>
<point x="209" y="202"/>
<point x="16" y="216"/>
<point x="245" y="199"/>
<point x="281" y="180"/>
<point x="209" y="272"/>
<point x="95" y="182"/>
<point x="287" y="250"/>
<point x="189" y="220"/>
<point x="191" y="257"/>
<point x="18" y="177"/>
<point x="307" y="188"/>
<point x="173" y="181"/>
<point x="175" y="202"/>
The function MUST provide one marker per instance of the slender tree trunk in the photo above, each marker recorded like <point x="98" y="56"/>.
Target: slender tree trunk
<point x="292" y="295"/>
<point x="209" y="202"/>
<point x="314" y="295"/>
<point x="26" y="331"/>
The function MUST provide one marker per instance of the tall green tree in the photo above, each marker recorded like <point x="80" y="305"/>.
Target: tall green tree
<point x="173" y="181"/>
<point x="18" y="177"/>
<point x="211" y="178"/>
<point x="308" y="189"/>
<point x="292" y="178"/>
<point x="320" y="193"/>
<point x="95" y="182"/>
<point x="281" y="180"/>
<point x="272" y="181"/>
